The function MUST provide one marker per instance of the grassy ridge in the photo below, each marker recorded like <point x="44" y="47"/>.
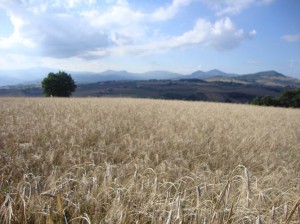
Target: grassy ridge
<point x="147" y="161"/>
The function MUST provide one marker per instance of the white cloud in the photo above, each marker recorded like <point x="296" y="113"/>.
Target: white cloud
<point x="60" y="3"/>
<point x="292" y="38"/>
<point x="66" y="28"/>
<point x="54" y="33"/>
<point x="221" y="35"/>
<point x="120" y="22"/>
<point x="126" y="23"/>
<point x="52" y="29"/>
<point x="16" y="39"/>
<point x="165" y="13"/>
<point x="226" y="7"/>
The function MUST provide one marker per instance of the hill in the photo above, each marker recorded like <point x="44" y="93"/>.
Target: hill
<point x="209" y="74"/>
<point x="103" y="160"/>
<point x="270" y="78"/>
<point x="83" y="78"/>
<point x="266" y="78"/>
<point x="183" y="89"/>
<point x="35" y="76"/>
<point x="22" y="76"/>
<point x="218" y="86"/>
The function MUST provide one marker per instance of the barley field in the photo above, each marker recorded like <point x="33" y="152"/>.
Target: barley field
<point x="121" y="160"/>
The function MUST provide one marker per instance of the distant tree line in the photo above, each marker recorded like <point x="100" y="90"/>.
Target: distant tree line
<point x="288" y="98"/>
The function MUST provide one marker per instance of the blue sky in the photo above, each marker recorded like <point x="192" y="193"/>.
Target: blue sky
<point x="236" y="36"/>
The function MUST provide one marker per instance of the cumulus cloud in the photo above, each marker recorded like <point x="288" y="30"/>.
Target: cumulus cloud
<point x="292" y="38"/>
<point x="80" y="28"/>
<point x="125" y="23"/>
<point x="120" y="22"/>
<point x="16" y="39"/>
<point x="73" y="3"/>
<point x="170" y="11"/>
<point x="52" y="31"/>
<point x="118" y="14"/>
<point x="221" y="35"/>
<point x="226" y="7"/>
<point x="66" y="28"/>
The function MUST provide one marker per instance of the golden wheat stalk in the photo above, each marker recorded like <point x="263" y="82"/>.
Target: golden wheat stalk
<point x="290" y="215"/>
<point x="229" y="218"/>
<point x="60" y="209"/>
<point x="248" y="189"/>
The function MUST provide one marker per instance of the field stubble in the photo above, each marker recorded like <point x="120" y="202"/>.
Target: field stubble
<point x="147" y="161"/>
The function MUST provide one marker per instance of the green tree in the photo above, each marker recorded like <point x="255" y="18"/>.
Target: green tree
<point x="267" y="101"/>
<point x="58" y="84"/>
<point x="257" y="101"/>
<point x="288" y="98"/>
<point x="291" y="98"/>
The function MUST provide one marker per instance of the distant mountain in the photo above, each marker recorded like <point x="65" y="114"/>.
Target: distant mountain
<point x="22" y="76"/>
<point x="159" y="75"/>
<point x="258" y="75"/>
<point x="265" y="78"/>
<point x="269" y="78"/>
<point x="209" y="74"/>
<point x="109" y="75"/>
<point x="35" y="75"/>
<point x="196" y="75"/>
<point x="239" y="89"/>
<point x="216" y="72"/>
<point x="7" y="80"/>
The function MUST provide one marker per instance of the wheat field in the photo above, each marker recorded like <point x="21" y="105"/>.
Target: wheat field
<point x="121" y="160"/>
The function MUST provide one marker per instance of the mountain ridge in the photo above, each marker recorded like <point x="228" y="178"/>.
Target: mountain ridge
<point x="270" y="77"/>
<point x="211" y="73"/>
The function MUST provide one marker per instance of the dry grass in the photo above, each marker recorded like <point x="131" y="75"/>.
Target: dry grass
<point x="147" y="161"/>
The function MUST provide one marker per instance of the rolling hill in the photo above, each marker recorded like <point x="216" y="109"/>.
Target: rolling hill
<point x="269" y="78"/>
<point x="265" y="78"/>
<point x="35" y="75"/>
<point x="209" y="74"/>
<point x="218" y="86"/>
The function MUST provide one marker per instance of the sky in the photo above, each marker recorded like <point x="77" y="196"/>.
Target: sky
<point x="235" y="36"/>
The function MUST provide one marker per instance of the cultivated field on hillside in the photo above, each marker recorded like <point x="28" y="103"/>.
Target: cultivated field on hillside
<point x="147" y="161"/>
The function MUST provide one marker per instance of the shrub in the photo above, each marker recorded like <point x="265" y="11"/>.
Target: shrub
<point x="288" y="98"/>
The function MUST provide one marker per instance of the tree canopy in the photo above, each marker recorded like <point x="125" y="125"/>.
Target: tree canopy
<point x="58" y="84"/>
<point x="288" y="98"/>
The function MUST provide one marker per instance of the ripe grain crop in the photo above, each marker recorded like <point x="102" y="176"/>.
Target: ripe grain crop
<point x="147" y="161"/>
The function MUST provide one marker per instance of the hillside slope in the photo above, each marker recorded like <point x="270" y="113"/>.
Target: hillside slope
<point x="35" y="75"/>
<point x="266" y="78"/>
